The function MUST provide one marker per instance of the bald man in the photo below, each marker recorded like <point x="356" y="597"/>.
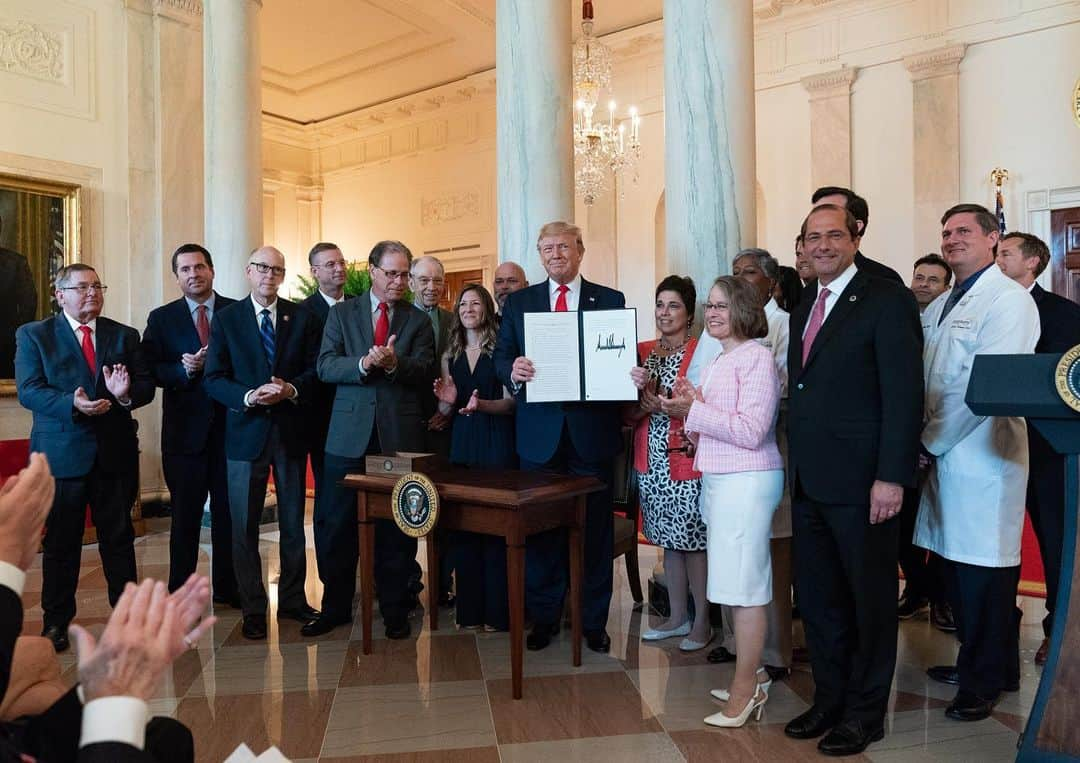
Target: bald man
<point x="261" y="366"/>
<point x="509" y="277"/>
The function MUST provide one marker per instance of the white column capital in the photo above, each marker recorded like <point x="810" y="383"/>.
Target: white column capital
<point x="830" y="84"/>
<point x="184" y="11"/>
<point x="939" y="62"/>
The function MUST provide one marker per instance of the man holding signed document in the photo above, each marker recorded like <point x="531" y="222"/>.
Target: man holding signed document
<point x="579" y="438"/>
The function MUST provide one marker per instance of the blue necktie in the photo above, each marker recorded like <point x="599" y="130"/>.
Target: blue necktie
<point x="266" y="331"/>
<point x="950" y="303"/>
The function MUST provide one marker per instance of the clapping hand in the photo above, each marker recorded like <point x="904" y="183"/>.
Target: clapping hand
<point x="473" y="405"/>
<point x="382" y="357"/>
<point x="25" y="501"/>
<point x="88" y="407"/>
<point x="117" y="381"/>
<point x="273" y="392"/>
<point x="683" y="395"/>
<point x="446" y="390"/>
<point x="193" y="362"/>
<point x="648" y="399"/>
<point x="639" y="376"/>
<point x="191" y="600"/>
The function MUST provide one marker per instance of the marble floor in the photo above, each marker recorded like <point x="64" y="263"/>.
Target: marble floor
<point x="445" y="695"/>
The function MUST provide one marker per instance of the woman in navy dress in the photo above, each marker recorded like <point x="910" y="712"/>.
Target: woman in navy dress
<point x="482" y="435"/>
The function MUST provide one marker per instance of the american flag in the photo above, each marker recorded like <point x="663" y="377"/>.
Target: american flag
<point x="1000" y="210"/>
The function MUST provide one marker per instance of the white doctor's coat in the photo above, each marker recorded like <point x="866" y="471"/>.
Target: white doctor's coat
<point x="972" y="507"/>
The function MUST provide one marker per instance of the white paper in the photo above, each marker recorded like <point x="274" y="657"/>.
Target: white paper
<point x="551" y="343"/>
<point x="610" y="351"/>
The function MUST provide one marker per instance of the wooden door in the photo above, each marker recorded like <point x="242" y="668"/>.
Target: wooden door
<point x="1065" y="252"/>
<point x="455" y="282"/>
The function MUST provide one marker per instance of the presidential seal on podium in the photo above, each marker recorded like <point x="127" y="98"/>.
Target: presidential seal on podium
<point x="1067" y="378"/>
<point x="415" y="504"/>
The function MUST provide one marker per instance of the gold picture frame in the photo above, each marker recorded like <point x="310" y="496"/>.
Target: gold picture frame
<point x="39" y="233"/>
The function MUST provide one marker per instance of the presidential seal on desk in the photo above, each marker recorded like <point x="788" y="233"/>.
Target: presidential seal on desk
<point x="415" y="504"/>
<point x="1067" y="378"/>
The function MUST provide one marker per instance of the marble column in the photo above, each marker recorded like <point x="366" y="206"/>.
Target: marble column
<point x="935" y="77"/>
<point x="534" y="120"/>
<point x="709" y="135"/>
<point x="830" y="126"/>
<point x="232" y="99"/>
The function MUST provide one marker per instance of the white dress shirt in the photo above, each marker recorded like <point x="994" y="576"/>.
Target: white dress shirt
<point x="75" y="325"/>
<point x="193" y="308"/>
<point x="777" y="341"/>
<point x="272" y="307"/>
<point x="375" y="302"/>
<point x="573" y="296"/>
<point x="836" y="288"/>
<point x="330" y="301"/>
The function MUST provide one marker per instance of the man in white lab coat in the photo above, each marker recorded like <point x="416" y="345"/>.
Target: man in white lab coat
<point x="972" y="508"/>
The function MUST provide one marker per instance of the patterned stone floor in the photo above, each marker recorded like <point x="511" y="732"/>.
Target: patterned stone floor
<point x="445" y="695"/>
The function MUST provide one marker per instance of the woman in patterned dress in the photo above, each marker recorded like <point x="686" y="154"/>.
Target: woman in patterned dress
<point x="668" y="485"/>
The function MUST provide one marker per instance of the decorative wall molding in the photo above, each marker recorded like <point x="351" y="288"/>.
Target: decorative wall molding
<point x="830" y="84"/>
<point x="935" y="63"/>
<point x="191" y="7"/>
<point x="34" y="51"/>
<point x="449" y="206"/>
<point x="769" y="9"/>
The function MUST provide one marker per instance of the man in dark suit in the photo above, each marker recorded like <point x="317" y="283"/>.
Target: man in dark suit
<point x="81" y="375"/>
<point x="1023" y="257"/>
<point x="856" y="204"/>
<point x="329" y="269"/>
<point x="379" y="351"/>
<point x="261" y="366"/>
<point x="18" y="307"/>
<point x="509" y="277"/>
<point x="192" y="425"/>
<point x="568" y="438"/>
<point x="855" y="409"/>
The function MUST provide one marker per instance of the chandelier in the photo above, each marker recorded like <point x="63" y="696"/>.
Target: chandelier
<point x="603" y="148"/>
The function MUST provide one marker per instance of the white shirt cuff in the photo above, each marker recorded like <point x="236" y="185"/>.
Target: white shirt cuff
<point x="12" y="577"/>
<point x="114" y="719"/>
<point x="247" y="402"/>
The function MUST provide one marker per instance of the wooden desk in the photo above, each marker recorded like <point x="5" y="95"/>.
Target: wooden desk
<point x="509" y="504"/>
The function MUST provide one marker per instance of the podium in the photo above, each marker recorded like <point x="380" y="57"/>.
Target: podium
<point x="1025" y="385"/>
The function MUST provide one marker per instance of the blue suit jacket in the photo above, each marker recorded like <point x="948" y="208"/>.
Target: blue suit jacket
<point x="49" y="366"/>
<point x="188" y="413"/>
<point x="594" y="427"/>
<point x="236" y="363"/>
<point x="1059" y="319"/>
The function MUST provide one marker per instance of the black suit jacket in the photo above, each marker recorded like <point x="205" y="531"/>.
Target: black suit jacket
<point x="188" y="413"/>
<point x="322" y="403"/>
<point x="49" y="366"/>
<point x="594" y="427"/>
<point x="19" y="305"/>
<point x="855" y="410"/>
<point x="1059" y="321"/>
<point x="864" y="264"/>
<point x="236" y="363"/>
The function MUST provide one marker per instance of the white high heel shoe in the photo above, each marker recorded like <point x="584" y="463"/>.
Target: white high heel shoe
<point x="753" y="707"/>
<point x="724" y="695"/>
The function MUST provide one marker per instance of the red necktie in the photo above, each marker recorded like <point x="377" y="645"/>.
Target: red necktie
<point x="88" y="350"/>
<point x="560" y="302"/>
<point x="202" y="325"/>
<point x="382" y="325"/>
<point x="816" y="319"/>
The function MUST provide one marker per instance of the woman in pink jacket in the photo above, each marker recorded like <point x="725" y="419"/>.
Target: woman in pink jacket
<point x="731" y="419"/>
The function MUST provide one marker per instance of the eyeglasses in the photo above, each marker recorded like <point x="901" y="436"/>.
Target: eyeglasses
<point x="707" y="306"/>
<point x="263" y="268"/>
<point x="393" y="275"/>
<point x="84" y="288"/>
<point x="332" y="264"/>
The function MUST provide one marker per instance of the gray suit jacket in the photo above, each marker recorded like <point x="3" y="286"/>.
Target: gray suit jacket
<point x="391" y="403"/>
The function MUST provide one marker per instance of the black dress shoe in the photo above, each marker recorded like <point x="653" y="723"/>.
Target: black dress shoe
<point x="910" y="606"/>
<point x="720" y="654"/>
<point x="849" y="738"/>
<point x="323" y="624"/>
<point x="254" y="627"/>
<point x="813" y="723"/>
<point x="541" y="636"/>
<point x="946" y="674"/>
<point x="941" y="615"/>
<point x="598" y="641"/>
<point x="969" y="707"/>
<point x="398" y="629"/>
<point x="304" y="614"/>
<point x="58" y="636"/>
<point x="777" y="673"/>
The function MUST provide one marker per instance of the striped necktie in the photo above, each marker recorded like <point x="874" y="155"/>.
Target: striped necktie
<point x="266" y="331"/>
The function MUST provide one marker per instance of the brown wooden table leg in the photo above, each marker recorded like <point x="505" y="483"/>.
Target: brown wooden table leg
<point x="432" y="546"/>
<point x="515" y="578"/>
<point x="577" y="555"/>
<point x="367" y="569"/>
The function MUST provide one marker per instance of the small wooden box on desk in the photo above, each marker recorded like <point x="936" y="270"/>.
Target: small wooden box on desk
<point x="509" y="504"/>
<point x="402" y="462"/>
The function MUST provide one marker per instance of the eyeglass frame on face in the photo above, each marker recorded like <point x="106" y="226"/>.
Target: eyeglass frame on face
<point x="394" y="275"/>
<point x="707" y="306"/>
<point x="834" y="237"/>
<point x="333" y="264"/>
<point x="263" y="268"/>
<point x="84" y="288"/>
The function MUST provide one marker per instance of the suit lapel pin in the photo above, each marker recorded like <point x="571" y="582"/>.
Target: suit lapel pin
<point x="592" y="299"/>
<point x="284" y="317"/>
<point x="852" y="298"/>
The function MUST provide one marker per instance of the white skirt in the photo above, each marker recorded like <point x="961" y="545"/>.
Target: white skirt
<point x="738" y="510"/>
